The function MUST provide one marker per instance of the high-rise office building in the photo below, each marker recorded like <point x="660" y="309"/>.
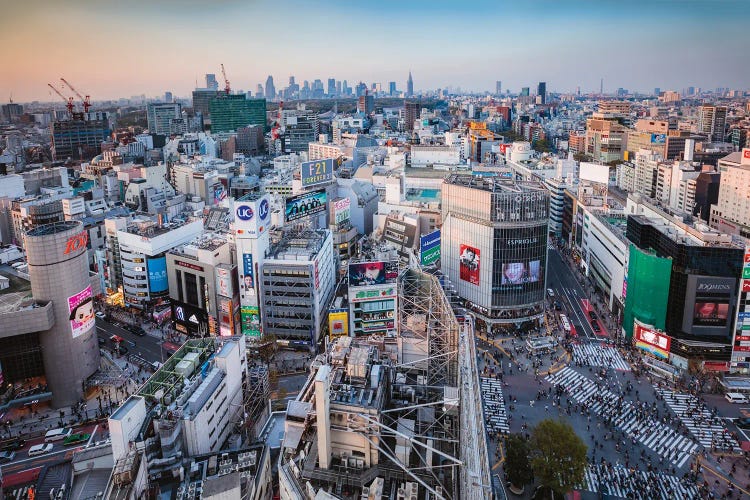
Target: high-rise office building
<point x="410" y="86"/>
<point x="391" y="89"/>
<point x="259" y="90"/>
<point x="338" y="88"/>
<point x="366" y="104"/>
<point x="270" y="88"/>
<point x="498" y="87"/>
<point x="168" y="97"/>
<point x="331" y="87"/>
<point x="541" y="91"/>
<point x="657" y="91"/>
<point x="211" y="82"/>
<point x="411" y="113"/>
<point x="230" y="112"/>
<point x="161" y="117"/>
<point x="712" y="121"/>
<point x="345" y="88"/>
<point x="79" y="139"/>
<point x="202" y="101"/>
<point x="11" y="111"/>
<point x="494" y="248"/>
<point x="524" y="91"/>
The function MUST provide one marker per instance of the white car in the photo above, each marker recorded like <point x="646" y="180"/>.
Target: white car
<point x="40" y="449"/>
<point x="100" y="315"/>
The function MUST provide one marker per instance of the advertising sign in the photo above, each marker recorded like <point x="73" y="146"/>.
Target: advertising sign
<point x="190" y="319"/>
<point x="338" y="323"/>
<point x="518" y="273"/>
<point x="469" y="264"/>
<point x="81" y="308"/>
<point x="316" y="172"/>
<point x="342" y="210"/>
<point x="305" y="205"/>
<point x="373" y="293"/>
<point x="77" y="241"/>
<point x="429" y="247"/>
<point x="251" y="217"/>
<point x="651" y="340"/>
<point x="710" y="314"/>
<point x="220" y="193"/>
<point x="746" y="285"/>
<point x="746" y="273"/>
<point x="224" y="282"/>
<point x="658" y="138"/>
<point x="157" y="275"/>
<point x="250" y="320"/>
<point x="372" y="273"/>
<point x="248" y="280"/>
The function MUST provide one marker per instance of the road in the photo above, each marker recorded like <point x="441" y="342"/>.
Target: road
<point x="569" y="292"/>
<point x="24" y="467"/>
<point x="148" y="347"/>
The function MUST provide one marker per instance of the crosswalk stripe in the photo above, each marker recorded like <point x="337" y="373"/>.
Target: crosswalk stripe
<point x="621" y="482"/>
<point x="494" y="405"/>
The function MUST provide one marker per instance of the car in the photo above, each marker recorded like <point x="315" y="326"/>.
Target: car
<point x="40" y="449"/>
<point x="13" y="445"/>
<point x="595" y="326"/>
<point x="7" y="456"/>
<point x="122" y="350"/>
<point x="551" y="292"/>
<point x="743" y="423"/>
<point x="558" y="306"/>
<point x="76" y="438"/>
<point x="592" y="315"/>
<point x="116" y="339"/>
<point x="138" y="331"/>
<point x="101" y="315"/>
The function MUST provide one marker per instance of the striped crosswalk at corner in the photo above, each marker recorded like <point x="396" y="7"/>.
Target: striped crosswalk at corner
<point x="594" y="354"/>
<point x="495" y="414"/>
<point x="654" y="435"/>
<point x="706" y="427"/>
<point x="620" y="482"/>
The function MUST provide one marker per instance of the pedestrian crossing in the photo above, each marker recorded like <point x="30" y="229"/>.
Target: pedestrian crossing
<point x="707" y="428"/>
<point x="620" y="482"/>
<point x="495" y="414"/>
<point x="599" y="355"/>
<point x="635" y="424"/>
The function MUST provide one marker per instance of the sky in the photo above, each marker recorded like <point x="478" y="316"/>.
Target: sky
<point x="121" y="48"/>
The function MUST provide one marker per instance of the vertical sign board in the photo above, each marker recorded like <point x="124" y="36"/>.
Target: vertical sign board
<point x="316" y="172"/>
<point x="252" y="217"/>
<point x="429" y="247"/>
<point x="81" y="307"/>
<point x="250" y="320"/>
<point x="740" y="360"/>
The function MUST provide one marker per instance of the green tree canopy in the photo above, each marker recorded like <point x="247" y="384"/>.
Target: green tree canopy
<point x="558" y="455"/>
<point x="517" y="467"/>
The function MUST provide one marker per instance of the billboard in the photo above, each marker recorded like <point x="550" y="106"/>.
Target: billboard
<point x="658" y="138"/>
<point x="342" y="210"/>
<point x="710" y="314"/>
<point x="429" y="248"/>
<point x="189" y="319"/>
<point x="372" y="273"/>
<point x="338" y="323"/>
<point x="594" y="172"/>
<point x="157" y="275"/>
<point x="224" y="281"/>
<point x="651" y="340"/>
<point x="252" y="217"/>
<point x="81" y="308"/>
<point x="469" y="264"/>
<point x="316" y="172"/>
<point x="371" y="293"/>
<point x="250" y="320"/>
<point x="305" y="205"/>
<point x="220" y="193"/>
<point x="519" y="273"/>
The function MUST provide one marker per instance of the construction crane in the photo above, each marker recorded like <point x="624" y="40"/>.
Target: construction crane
<point x="227" y="89"/>
<point x="86" y="101"/>
<point x="68" y="100"/>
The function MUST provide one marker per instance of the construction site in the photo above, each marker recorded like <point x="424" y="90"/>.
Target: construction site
<point x="392" y="417"/>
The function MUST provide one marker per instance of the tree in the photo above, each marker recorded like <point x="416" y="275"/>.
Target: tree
<point x="581" y="157"/>
<point x="542" y="146"/>
<point x="517" y="467"/>
<point x="558" y="455"/>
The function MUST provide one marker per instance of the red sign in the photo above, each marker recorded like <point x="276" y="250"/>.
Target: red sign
<point x="742" y="337"/>
<point x="747" y="257"/>
<point x="469" y="264"/>
<point x="188" y="265"/>
<point x="75" y="242"/>
<point x="746" y="153"/>
<point x="652" y="337"/>
<point x="716" y="366"/>
<point x="746" y="285"/>
<point x="743" y="348"/>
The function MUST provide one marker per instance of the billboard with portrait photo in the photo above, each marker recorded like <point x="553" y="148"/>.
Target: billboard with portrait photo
<point x="305" y="205"/>
<point x="520" y="273"/>
<point x="710" y="313"/>
<point x="372" y="273"/>
<point x="469" y="264"/>
<point x="81" y="308"/>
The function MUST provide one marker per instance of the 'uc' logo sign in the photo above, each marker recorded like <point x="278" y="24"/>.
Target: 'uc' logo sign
<point x="263" y="209"/>
<point x="244" y="212"/>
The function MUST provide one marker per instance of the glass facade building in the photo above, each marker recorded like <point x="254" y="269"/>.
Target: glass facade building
<point x="494" y="246"/>
<point x="230" y="112"/>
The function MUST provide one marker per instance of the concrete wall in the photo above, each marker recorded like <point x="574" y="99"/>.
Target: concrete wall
<point x="27" y="320"/>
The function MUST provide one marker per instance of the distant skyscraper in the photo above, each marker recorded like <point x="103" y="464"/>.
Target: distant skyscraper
<point x="259" y="91"/>
<point x="345" y="88"/>
<point x="338" y="88"/>
<point x="360" y="89"/>
<point x="291" y="81"/>
<point x="541" y="91"/>
<point x="211" y="82"/>
<point x="712" y="121"/>
<point x="391" y="88"/>
<point x="524" y="91"/>
<point x="168" y="96"/>
<point x="657" y="91"/>
<point x="498" y="87"/>
<point x="366" y="104"/>
<point x="230" y="112"/>
<point x="270" y="88"/>
<point x="331" y="87"/>
<point x="410" y="86"/>
<point x="161" y="117"/>
<point x="411" y="113"/>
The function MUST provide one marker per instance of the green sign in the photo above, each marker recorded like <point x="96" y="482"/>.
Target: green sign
<point x="250" y="320"/>
<point x="430" y="256"/>
<point x="746" y="273"/>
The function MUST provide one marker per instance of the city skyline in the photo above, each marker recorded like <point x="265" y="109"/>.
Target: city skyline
<point x="168" y="45"/>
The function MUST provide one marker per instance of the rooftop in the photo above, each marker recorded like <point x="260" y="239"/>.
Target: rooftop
<point x="298" y="246"/>
<point x="495" y="184"/>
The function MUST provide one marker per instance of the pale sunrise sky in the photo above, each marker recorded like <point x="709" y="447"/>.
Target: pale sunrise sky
<point x="112" y="49"/>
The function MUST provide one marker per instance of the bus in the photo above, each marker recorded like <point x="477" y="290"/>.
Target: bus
<point x="565" y="324"/>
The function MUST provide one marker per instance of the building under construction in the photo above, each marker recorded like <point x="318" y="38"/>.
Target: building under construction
<point x="392" y="417"/>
